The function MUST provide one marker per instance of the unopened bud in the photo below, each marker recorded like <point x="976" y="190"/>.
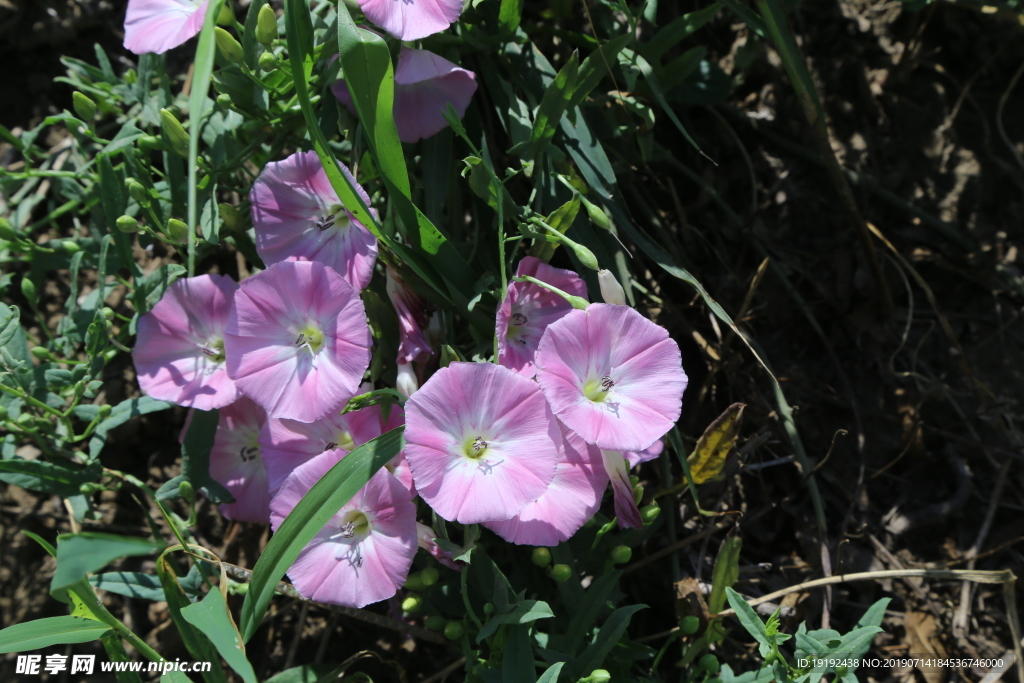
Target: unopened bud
<point x="267" y="60"/>
<point x="187" y="491"/>
<point x="414" y="582"/>
<point x="429" y="576"/>
<point x="266" y="25"/>
<point x="224" y="100"/>
<point x="435" y="622"/>
<point x="137" y="191"/>
<point x="28" y="290"/>
<point x="597" y="216"/>
<point x="412" y="604"/>
<point x="488" y="609"/>
<point x="104" y="413"/>
<point x="175" y="132"/>
<point x="41" y="352"/>
<point x="689" y="625"/>
<point x="561" y="573"/>
<point x="148" y="143"/>
<point x="127" y="224"/>
<point x="541" y="557"/>
<point x="108" y="313"/>
<point x="226" y="16"/>
<point x="650" y="513"/>
<point x="638" y="494"/>
<point x="586" y="256"/>
<point x="177" y="230"/>
<point x="611" y="290"/>
<point x="84" y="106"/>
<point x="228" y="46"/>
<point x="71" y="246"/>
<point x="453" y="630"/>
<point x="598" y="676"/>
<point x="620" y="554"/>
<point x="406" y="382"/>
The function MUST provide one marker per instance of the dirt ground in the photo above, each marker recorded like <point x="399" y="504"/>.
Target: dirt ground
<point x="906" y="390"/>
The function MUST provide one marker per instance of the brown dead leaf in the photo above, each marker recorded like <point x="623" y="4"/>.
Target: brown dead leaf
<point x="922" y="633"/>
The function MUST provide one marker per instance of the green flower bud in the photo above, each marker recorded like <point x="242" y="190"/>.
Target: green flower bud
<point x="266" y="25"/>
<point x="175" y="132"/>
<point x="453" y="630"/>
<point x="3" y="413"/>
<point x="127" y="224"/>
<point x="650" y="513"/>
<point x="414" y="582"/>
<point x="89" y="488"/>
<point x="620" y="554"/>
<point x="137" y="191"/>
<point x="412" y="604"/>
<point x="435" y="622"/>
<point x="25" y="420"/>
<point x="638" y="494"/>
<point x="108" y="313"/>
<point x="228" y="46"/>
<point x="187" y="491"/>
<point x="7" y="231"/>
<point x="233" y="218"/>
<point x="224" y="100"/>
<point x="561" y="573"/>
<point x="28" y="290"/>
<point x="226" y="16"/>
<point x="541" y="557"/>
<point x="488" y="609"/>
<point x="148" y="143"/>
<point x="598" y="676"/>
<point x="586" y="257"/>
<point x="597" y="216"/>
<point x="72" y="247"/>
<point x="130" y="77"/>
<point x="42" y="353"/>
<point x="84" y="107"/>
<point x="633" y="480"/>
<point x="689" y="625"/>
<point x="708" y="663"/>
<point x="267" y="60"/>
<point x="429" y="576"/>
<point x="177" y="230"/>
<point x="104" y="413"/>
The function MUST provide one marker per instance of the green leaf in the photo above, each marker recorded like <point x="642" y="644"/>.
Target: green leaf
<point x="307" y="519"/>
<point x="596" y="66"/>
<point x="47" y="477"/>
<point x="553" y="104"/>
<point x="748" y="618"/>
<point x="195" y="461"/>
<point x="210" y="615"/>
<point x="551" y="675"/>
<point x="85" y="552"/>
<point x="122" y="412"/>
<point x="652" y="82"/>
<point x="517" y="660"/>
<point x="9" y="317"/>
<point x="607" y="637"/>
<point x="41" y="633"/>
<point x="677" y="30"/>
<point x="115" y="200"/>
<point x="592" y="604"/>
<point x="142" y="585"/>
<point x="525" y="612"/>
<point x="725" y="573"/>
<point x="307" y="673"/>
<point x="510" y="14"/>
<point x="196" y="642"/>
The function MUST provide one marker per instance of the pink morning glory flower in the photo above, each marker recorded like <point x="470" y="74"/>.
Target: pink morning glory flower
<point x="572" y="498"/>
<point x="159" y="25"/>
<point x="297" y="340"/>
<point x="528" y="309"/>
<point x="412" y="19"/>
<point x="364" y="552"/>
<point x="652" y="452"/>
<point x="425" y="84"/>
<point x="612" y="376"/>
<point x="298" y="217"/>
<point x="481" y="442"/>
<point x="288" y="444"/>
<point x="626" y="511"/>
<point x="235" y="461"/>
<point x="179" y="353"/>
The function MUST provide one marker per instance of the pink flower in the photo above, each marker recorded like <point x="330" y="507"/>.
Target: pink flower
<point x="572" y="498"/>
<point x="412" y="320"/>
<point x="611" y="376"/>
<point x="179" y="353"/>
<point x="298" y="217"/>
<point x="652" y="452"/>
<point x="287" y="444"/>
<point x="626" y="510"/>
<point x="236" y="462"/>
<point x="159" y="25"/>
<point x="412" y="19"/>
<point x="364" y="552"/>
<point x="425" y="84"/>
<point x="528" y="309"/>
<point x="481" y="442"/>
<point x="297" y="340"/>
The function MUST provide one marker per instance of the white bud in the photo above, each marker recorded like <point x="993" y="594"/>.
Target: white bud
<point x="406" y="382"/>
<point x="611" y="290"/>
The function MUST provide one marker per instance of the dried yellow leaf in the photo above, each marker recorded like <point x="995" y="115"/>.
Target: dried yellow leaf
<point x="719" y="438"/>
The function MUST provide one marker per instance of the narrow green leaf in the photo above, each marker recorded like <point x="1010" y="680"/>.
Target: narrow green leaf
<point x="525" y="612"/>
<point x="551" y="675"/>
<point x="652" y="82"/>
<point x="556" y="98"/>
<point x="307" y="673"/>
<point x="47" y="477"/>
<point x="115" y="200"/>
<point x="307" y="519"/>
<point x="210" y="615"/>
<point x="748" y="617"/>
<point x="596" y="66"/>
<point x="592" y="604"/>
<point x="33" y="635"/>
<point x="725" y="573"/>
<point x="677" y="30"/>
<point x="607" y="637"/>
<point x="196" y="642"/>
<point x="85" y="552"/>
<point x="517" y="660"/>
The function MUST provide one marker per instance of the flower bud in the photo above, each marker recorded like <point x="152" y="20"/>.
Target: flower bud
<point x="412" y="604"/>
<point x="541" y="557"/>
<point x="177" y="230"/>
<point x="435" y="622"/>
<point x="598" y="676"/>
<point x="7" y="231"/>
<point x="104" y="413"/>
<point x="414" y="582"/>
<point x="266" y="25"/>
<point x="28" y="290"/>
<point x="175" y="132"/>
<point x="108" y="313"/>
<point x="638" y="494"/>
<point x="224" y="100"/>
<point x="226" y="16"/>
<point x="611" y="290"/>
<point x="406" y="382"/>
<point x="453" y="630"/>
<point x="137" y="191"/>
<point x="488" y="609"/>
<point x="429" y="576"/>
<point x="127" y="224"/>
<point x="267" y="60"/>
<point x="228" y="46"/>
<point x="586" y="256"/>
<point x="597" y="216"/>
<point x="130" y="77"/>
<point x="70" y="246"/>
<point x="84" y="106"/>
<point x="41" y="353"/>
<point x="561" y="573"/>
<point x="689" y="625"/>
<point x="187" y="491"/>
<point x="148" y="143"/>
<point x="621" y="554"/>
<point x="649" y="513"/>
